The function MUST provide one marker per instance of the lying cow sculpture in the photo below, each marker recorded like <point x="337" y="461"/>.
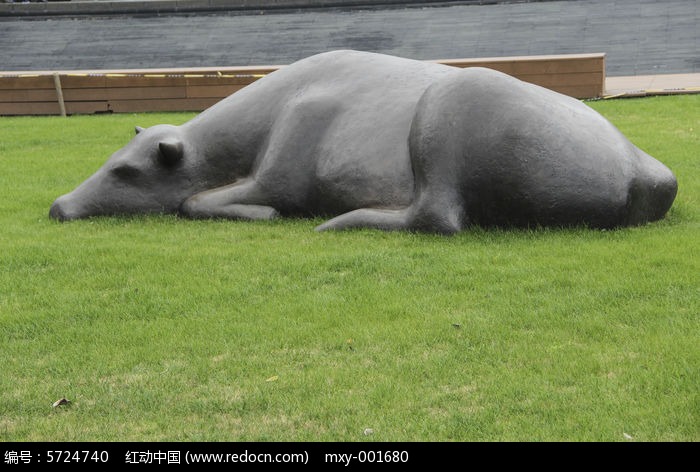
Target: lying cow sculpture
<point x="382" y="142"/>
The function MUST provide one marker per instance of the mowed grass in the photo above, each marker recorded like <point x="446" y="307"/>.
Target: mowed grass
<point x="164" y="329"/>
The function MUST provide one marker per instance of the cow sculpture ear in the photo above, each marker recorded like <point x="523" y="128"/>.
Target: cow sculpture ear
<point x="171" y="152"/>
<point x="138" y="129"/>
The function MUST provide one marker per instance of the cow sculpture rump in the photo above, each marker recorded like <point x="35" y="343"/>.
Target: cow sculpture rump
<point x="383" y="142"/>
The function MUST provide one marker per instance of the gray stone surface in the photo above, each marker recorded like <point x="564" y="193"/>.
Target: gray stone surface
<point x="383" y="142"/>
<point x="106" y="7"/>
<point x="639" y="36"/>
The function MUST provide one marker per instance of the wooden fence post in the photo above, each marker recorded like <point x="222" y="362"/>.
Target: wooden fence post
<point x="59" y="93"/>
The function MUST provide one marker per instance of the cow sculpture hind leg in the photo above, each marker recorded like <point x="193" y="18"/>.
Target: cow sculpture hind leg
<point x="437" y="205"/>
<point x="490" y="150"/>
<point x="431" y="212"/>
<point x="388" y="220"/>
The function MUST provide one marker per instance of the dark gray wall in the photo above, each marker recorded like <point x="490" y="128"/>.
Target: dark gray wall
<point x="639" y="37"/>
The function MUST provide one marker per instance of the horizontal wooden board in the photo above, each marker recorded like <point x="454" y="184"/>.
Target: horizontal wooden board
<point x="524" y="68"/>
<point x="561" y="63"/>
<point x="87" y="107"/>
<point x="52" y="108"/>
<point x="549" y="80"/>
<point x="225" y="80"/>
<point x="30" y="95"/>
<point x="572" y="61"/>
<point x="579" y="91"/>
<point x="161" y="70"/>
<point x="212" y="91"/>
<point x="9" y="82"/>
<point x="125" y="93"/>
<point x="115" y="80"/>
<point x="116" y="106"/>
<point x="182" y="104"/>
<point x="92" y="94"/>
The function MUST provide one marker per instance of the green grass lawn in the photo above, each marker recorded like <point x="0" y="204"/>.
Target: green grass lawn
<point x="164" y="329"/>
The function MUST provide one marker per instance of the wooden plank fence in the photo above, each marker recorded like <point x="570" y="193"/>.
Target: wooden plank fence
<point x="194" y="89"/>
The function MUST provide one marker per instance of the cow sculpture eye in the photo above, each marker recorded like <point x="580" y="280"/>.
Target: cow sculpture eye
<point x="126" y="172"/>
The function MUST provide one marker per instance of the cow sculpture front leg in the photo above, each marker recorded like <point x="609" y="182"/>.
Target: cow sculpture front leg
<point x="238" y="201"/>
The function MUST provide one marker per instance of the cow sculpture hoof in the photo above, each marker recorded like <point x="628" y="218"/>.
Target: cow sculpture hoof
<point x="382" y="142"/>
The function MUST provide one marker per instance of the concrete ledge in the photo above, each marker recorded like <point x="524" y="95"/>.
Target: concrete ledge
<point x="155" y="7"/>
<point x="648" y="85"/>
